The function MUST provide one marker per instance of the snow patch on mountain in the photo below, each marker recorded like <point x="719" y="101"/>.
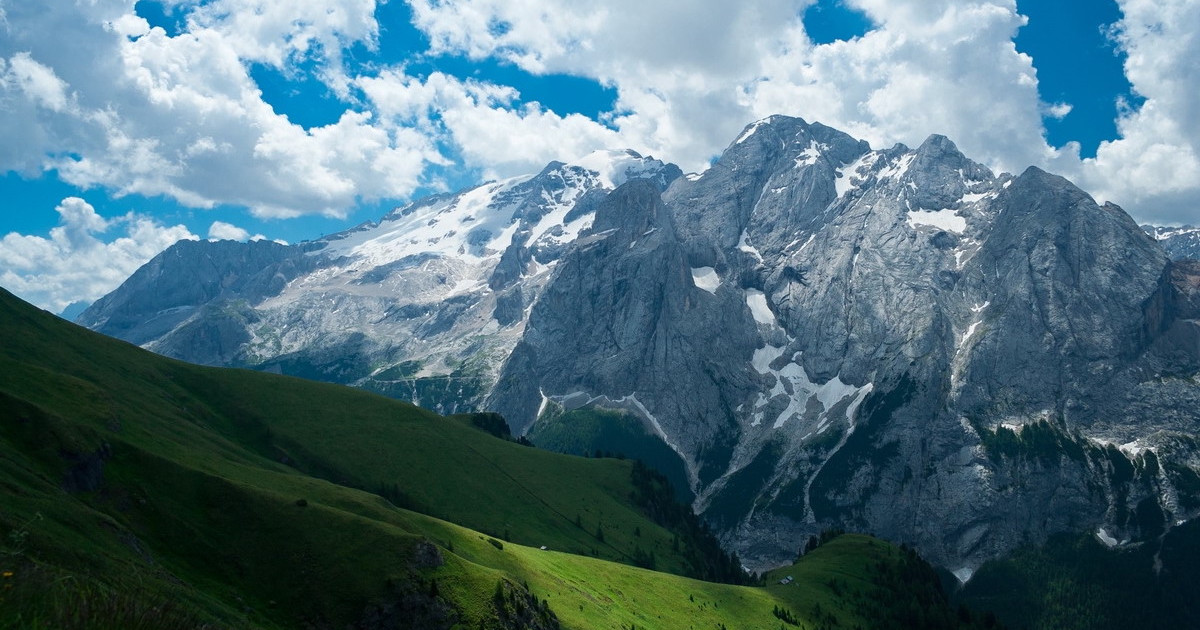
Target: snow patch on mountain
<point x="811" y="154"/>
<point x="764" y="357"/>
<point x="468" y="226"/>
<point x="1179" y="242"/>
<point x="970" y="198"/>
<point x="897" y="169"/>
<point x="967" y="248"/>
<point x="970" y="332"/>
<point x="757" y="302"/>
<point x="947" y="220"/>
<point x="794" y="390"/>
<point x="852" y="175"/>
<point x="706" y="278"/>
<point x="833" y="391"/>
<point x="1163" y="233"/>
<point x="745" y="246"/>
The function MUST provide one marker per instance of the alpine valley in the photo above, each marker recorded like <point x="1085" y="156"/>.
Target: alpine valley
<point x="810" y="334"/>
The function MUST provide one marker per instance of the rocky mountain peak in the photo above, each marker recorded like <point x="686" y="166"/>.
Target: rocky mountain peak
<point x="945" y="174"/>
<point x="633" y="208"/>
<point x="821" y="334"/>
<point x="174" y="285"/>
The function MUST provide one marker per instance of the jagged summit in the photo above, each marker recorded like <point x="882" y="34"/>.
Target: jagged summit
<point x="822" y="333"/>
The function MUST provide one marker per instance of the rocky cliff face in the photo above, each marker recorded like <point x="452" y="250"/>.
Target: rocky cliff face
<point x="898" y="341"/>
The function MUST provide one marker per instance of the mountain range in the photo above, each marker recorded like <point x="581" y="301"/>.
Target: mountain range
<point x="809" y="334"/>
<point x="1179" y="242"/>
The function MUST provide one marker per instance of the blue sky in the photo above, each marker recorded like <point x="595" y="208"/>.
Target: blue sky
<point x="128" y="125"/>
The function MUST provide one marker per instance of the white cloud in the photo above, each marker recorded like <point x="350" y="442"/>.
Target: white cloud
<point x="1057" y="111"/>
<point x="129" y="25"/>
<point x="73" y="264"/>
<point x="280" y="33"/>
<point x="1154" y="167"/>
<point x="107" y="101"/>
<point x="676" y="64"/>
<point x="222" y="231"/>
<point x="689" y="77"/>
<point x="948" y="68"/>
<point x="480" y="120"/>
<point x="37" y="81"/>
<point x="614" y="40"/>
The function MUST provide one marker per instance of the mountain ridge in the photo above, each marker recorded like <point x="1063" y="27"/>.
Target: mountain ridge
<point x="1180" y="242"/>
<point x="826" y="334"/>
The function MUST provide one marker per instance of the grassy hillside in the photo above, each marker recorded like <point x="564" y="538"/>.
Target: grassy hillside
<point x="411" y="456"/>
<point x="136" y="491"/>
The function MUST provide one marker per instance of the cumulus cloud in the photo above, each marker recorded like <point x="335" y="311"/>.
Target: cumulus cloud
<point x="74" y="264"/>
<point x="688" y="78"/>
<point x="489" y="132"/>
<point x="222" y="231"/>
<point x="928" y="67"/>
<point x="38" y="82"/>
<point x="282" y="33"/>
<point x="105" y="100"/>
<point x="1154" y="167"/>
<point x="1057" y="111"/>
<point x="676" y="65"/>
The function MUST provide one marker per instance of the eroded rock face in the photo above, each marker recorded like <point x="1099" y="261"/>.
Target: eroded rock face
<point x="623" y="319"/>
<point x="897" y="341"/>
<point x="894" y="341"/>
